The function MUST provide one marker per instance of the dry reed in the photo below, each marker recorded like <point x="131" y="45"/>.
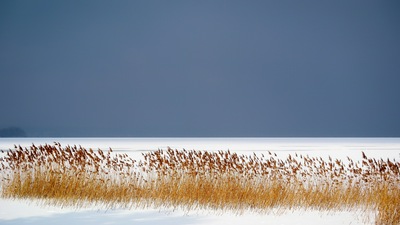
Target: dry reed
<point x="73" y="175"/>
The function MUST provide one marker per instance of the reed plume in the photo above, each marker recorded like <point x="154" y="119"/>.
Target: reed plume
<point x="73" y="175"/>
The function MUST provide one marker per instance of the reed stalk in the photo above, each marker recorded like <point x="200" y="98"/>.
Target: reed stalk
<point x="73" y="175"/>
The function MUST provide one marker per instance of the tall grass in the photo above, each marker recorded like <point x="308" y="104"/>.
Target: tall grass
<point x="73" y="175"/>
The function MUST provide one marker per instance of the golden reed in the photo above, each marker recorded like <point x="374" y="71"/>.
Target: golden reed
<point x="73" y="175"/>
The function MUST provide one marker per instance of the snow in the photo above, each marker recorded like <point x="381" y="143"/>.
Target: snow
<point x="33" y="212"/>
<point x="28" y="212"/>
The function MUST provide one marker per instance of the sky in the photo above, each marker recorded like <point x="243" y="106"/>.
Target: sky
<point x="200" y="68"/>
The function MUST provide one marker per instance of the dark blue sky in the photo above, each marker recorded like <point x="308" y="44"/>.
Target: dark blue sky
<point x="200" y="68"/>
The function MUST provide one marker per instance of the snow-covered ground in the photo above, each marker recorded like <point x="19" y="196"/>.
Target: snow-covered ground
<point x="28" y="212"/>
<point x="32" y="212"/>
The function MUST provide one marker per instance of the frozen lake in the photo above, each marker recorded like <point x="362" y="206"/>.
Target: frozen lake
<point x="335" y="147"/>
<point x="235" y="144"/>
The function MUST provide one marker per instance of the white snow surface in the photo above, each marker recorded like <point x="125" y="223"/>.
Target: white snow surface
<point x="33" y="212"/>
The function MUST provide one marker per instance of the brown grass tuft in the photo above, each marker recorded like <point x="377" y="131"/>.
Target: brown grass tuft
<point x="73" y="175"/>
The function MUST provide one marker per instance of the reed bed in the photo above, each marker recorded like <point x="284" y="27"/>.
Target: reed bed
<point x="73" y="175"/>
